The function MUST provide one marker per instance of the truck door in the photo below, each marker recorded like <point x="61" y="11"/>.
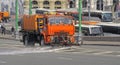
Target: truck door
<point x="45" y="25"/>
<point x="40" y="22"/>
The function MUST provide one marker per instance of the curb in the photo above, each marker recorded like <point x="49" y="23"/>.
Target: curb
<point x="9" y="38"/>
<point x="101" y="38"/>
<point x="101" y="41"/>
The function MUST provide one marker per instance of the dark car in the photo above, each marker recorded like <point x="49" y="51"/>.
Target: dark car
<point x="20" y="22"/>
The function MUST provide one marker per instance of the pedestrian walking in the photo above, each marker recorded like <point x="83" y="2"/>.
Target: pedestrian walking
<point x="12" y="30"/>
<point x="3" y="29"/>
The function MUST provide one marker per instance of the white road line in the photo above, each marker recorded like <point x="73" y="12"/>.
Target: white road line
<point x="118" y="55"/>
<point x="64" y="58"/>
<point x="58" y="49"/>
<point x="104" y="52"/>
<point x="87" y="51"/>
<point x="2" y="61"/>
<point x="30" y="50"/>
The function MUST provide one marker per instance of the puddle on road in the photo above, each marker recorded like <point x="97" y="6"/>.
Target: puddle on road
<point x="23" y="51"/>
<point x="30" y="50"/>
<point x="113" y="53"/>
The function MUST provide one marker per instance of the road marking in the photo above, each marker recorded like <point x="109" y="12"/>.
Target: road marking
<point x="88" y="51"/>
<point x="64" y="58"/>
<point x="2" y="61"/>
<point x="104" y="52"/>
<point x="59" y="49"/>
<point x="31" y="50"/>
<point x="118" y="55"/>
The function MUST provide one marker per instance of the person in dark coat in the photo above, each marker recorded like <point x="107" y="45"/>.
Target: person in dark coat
<point x="3" y="29"/>
<point x="13" y="30"/>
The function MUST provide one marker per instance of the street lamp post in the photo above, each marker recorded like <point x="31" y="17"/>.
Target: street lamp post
<point x="16" y="19"/>
<point x="30" y="7"/>
<point x="80" y="20"/>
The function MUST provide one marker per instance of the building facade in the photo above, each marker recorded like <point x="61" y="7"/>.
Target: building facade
<point x="97" y="4"/>
<point x="9" y="5"/>
<point x="63" y="4"/>
<point x="58" y="4"/>
<point x="48" y="4"/>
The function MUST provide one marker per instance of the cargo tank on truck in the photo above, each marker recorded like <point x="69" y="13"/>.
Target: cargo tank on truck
<point x="47" y="29"/>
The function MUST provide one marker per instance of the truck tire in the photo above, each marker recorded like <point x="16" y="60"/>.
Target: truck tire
<point x="28" y="40"/>
<point x="31" y="40"/>
<point x="25" y="40"/>
<point x="42" y="41"/>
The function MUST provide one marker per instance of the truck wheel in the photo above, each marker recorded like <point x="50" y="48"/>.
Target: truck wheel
<point x="31" y="41"/>
<point x="28" y="40"/>
<point x="25" y="40"/>
<point x="42" y="41"/>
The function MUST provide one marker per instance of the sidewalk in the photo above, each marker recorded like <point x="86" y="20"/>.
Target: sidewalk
<point x="7" y="36"/>
<point x="102" y="43"/>
<point x="98" y="43"/>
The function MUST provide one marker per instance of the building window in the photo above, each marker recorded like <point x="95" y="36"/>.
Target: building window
<point x="84" y="3"/>
<point x="25" y="3"/>
<point x="57" y="3"/>
<point x="71" y="4"/>
<point x="116" y="4"/>
<point x="57" y="7"/>
<point x="46" y="7"/>
<point x="34" y="2"/>
<point x="35" y="7"/>
<point x="46" y="3"/>
<point x="99" y="4"/>
<point x="115" y="1"/>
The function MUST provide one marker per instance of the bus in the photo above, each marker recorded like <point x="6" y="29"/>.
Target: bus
<point x="71" y="11"/>
<point x="105" y="16"/>
<point x="45" y="11"/>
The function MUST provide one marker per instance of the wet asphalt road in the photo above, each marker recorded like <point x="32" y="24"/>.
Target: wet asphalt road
<point x="58" y="59"/>
<point x="14" y="53"/>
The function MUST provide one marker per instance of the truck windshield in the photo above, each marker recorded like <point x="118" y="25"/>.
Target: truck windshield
<point x="59" y="20"/>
